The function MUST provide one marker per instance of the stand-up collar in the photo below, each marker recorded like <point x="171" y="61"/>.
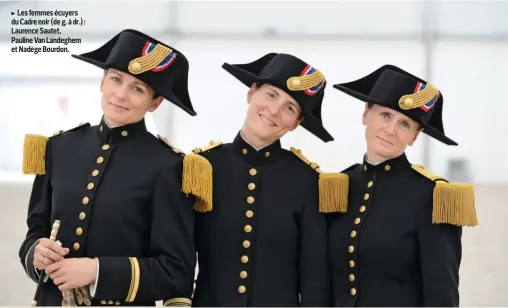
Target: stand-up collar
<point x="120" y="133"/>
<point x="253" y="156"/>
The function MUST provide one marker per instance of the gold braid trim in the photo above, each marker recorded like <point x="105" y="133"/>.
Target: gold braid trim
<point x="34" y="152"/>
<point x="416" y="100"/>
<point x="178" y="302"/>
<point x="135" y="275"/>
<point x="27" y="254"/>
<point x="150" y="60"/>
<point x="333" y="187"/>
<point x="300" y="83"/>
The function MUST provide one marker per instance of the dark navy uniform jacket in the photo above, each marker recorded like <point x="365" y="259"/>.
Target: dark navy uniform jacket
<point x="387" y="249"/>
<point x="117" y="193"/>
<point x="264" y="242"/>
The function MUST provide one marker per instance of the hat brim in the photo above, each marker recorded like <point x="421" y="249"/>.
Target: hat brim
<point x="166" y="93"/>
<point x="427" y="129"/>
<point x="310" y="123"/>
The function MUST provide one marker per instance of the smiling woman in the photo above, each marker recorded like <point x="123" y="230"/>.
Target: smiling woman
<point x="110" y="160"/>
<point x="254" y="186"/>
<point x="271" y="114"/>
<point x="126" y="99"/>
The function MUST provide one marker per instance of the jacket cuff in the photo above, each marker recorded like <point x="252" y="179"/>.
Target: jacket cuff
<point x="178" y="302"/>
<point x="119" y="279"/>
<point x="30" y="269"/>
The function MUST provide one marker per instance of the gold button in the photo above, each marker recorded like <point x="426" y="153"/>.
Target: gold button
<point x="244" y="151"/>
<point x="82" y="215"/>
<point x="90" y="186"/>
<point x="353" y="291"/>
<point x="369" y="185"/>
<point x="267" y="154"/>
<point x="247" y="228"/>
<point x="351" y="249"/>
<point x="105" y="147"/>
<point x="117" y="303"/>
<point x="250" y="200"/>
<point x="357" y="220"/>
<point x="76" y="246"/>
<point x="110" y="302"/>
<point x="362" y="208"/>
<point x="351" y="264"/>
<point x="79" y="231"/>
<point x="366" y="197"/>
<point x="103" y="302"/>
<point x="353" y="234"/>
<point x="95" y="173"/>
<point x="295" y="83"/>
<point x="351" y="277"/>
<point x="241" y="289"/>
<point x="249" y="214"/>
<point x="365" y="167"/>
<point x="252" y="186"/>
<point x="243" y="274"/>
<point x="86" y="200"/>
<point x="246" y="244"/>
<point x="407" y="103"/>
<point x="244" y="259"/>
<point x="124" y="133"/>
<point x="387" y="167"/>
<point x="135" y="67"/>
<point x="211" y="142"/>
<point x="100" y="160"/>
<point x="253" y="172"/>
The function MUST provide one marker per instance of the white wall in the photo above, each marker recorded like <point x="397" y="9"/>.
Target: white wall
<point x="472" y="77"/>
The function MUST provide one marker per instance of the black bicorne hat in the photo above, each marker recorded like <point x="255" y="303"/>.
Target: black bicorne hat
<point x="303" y="82"/>
<point x="160" y="66"/>
<point x="401" y="91"/>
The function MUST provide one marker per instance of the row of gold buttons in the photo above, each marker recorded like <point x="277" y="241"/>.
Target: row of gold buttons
<point x="110" y="302"/>
<point x="86" y="200"/>
<point x="354" y="234"/>
<point x="248" y="228"/>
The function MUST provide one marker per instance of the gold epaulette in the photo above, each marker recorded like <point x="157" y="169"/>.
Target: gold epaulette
<point x="197" y="178"/>
<point x="333" y="187"/>
<point x="34" y="153"/>
<point x="453" y="203"/>
<point x="166" y="142"/>
<point x="178" y="302"/>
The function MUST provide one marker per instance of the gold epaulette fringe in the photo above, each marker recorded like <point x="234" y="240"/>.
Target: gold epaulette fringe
<point x="34" y="153"/>
<point x="333" y="192"/>
<point x="333" y="187"/>
<point x="453" y="203"/>
<point x="197" y="178"/>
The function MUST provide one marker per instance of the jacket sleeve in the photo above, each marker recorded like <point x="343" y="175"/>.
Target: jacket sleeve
<point x="440" y="255"/>
<point x="38" y="218"/>
<point x="168" y="271"/>
<point x="315" y="278"/>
